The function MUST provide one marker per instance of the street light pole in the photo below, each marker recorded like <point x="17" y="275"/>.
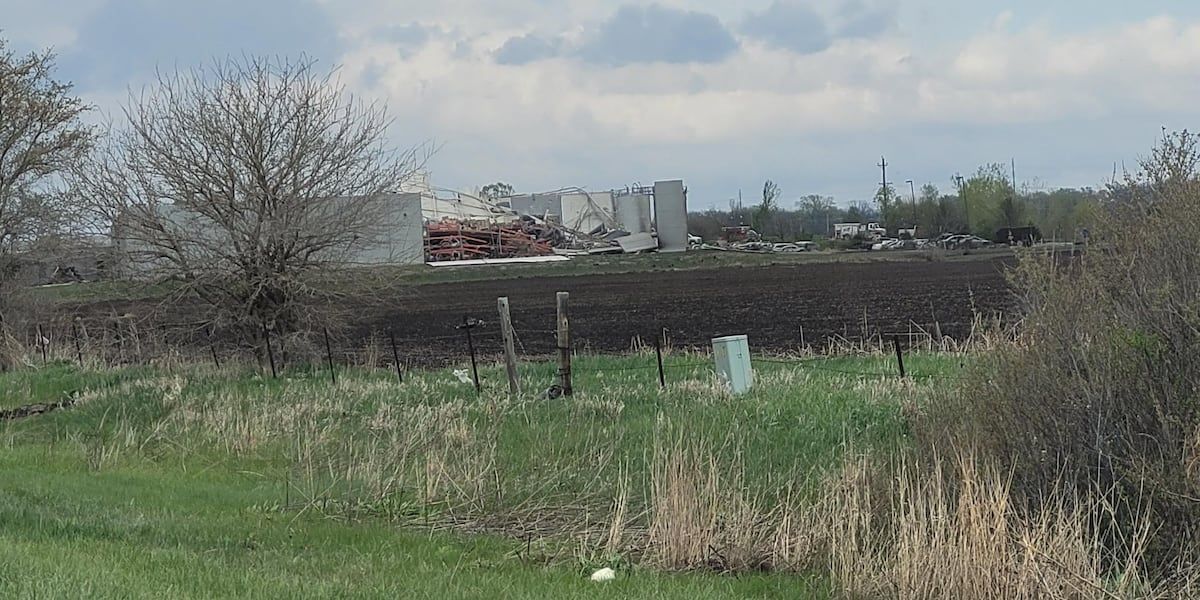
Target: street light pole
<point x="913" y="188"/>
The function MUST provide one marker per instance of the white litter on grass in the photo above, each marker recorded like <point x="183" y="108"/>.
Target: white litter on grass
<point x="463" y="375"/>
<point x="605" y="574"/>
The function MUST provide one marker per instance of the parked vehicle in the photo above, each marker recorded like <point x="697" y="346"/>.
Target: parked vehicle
<point x="962" y="242"/>
<point x="1025" y="236"/>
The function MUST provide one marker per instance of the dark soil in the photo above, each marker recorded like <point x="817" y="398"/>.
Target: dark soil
<point x="770" y="304"/>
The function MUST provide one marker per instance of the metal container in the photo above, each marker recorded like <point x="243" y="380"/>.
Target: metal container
<point x="732" y="355"/>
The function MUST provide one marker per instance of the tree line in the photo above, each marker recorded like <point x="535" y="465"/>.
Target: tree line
<point x="979" y="204"/>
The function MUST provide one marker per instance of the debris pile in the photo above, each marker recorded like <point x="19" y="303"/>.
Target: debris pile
<point x="471" y="240"/>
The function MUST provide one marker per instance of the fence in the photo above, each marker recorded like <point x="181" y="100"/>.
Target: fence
<point x="130" y="342"/>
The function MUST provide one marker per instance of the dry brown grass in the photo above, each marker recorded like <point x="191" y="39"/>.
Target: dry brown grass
<point x="901" y="532"/>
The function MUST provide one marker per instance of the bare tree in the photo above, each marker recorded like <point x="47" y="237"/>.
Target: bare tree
<point x="253" y="183"/>
<point x="41" y="133"/>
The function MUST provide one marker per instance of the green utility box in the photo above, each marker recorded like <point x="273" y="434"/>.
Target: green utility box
<point x="732" y="355"/>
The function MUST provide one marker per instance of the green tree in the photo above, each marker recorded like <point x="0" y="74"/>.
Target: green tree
<point x="989" y="199"/>
<point x="816" y="213"/>
<point x="493" y="191"/>
<point x="42" y="135"/>
<point x="888" y="204"/>
<point x="763" y="216"/>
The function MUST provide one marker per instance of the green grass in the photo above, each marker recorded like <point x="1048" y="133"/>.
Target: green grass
<point x="155" y="531"/>
<point x="200" y="483"/>
<point x="57" y="382"/>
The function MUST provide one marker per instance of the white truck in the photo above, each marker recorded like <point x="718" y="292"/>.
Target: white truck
<point x="846" y="231"/>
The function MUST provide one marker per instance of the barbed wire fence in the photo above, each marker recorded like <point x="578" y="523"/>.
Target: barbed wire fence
<point x="122" y="342"/>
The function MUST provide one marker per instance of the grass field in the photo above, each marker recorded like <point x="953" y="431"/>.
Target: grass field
<point x="198" y="483"/>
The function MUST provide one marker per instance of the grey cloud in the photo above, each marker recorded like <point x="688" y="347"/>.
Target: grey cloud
<point x="859" y="20"/>
<point x="658" y="34"/>
<point x="789" y="25"/>
<point x="411" y="37"/>
<point x="125" y="40"/>
<point x="528" y="48"/>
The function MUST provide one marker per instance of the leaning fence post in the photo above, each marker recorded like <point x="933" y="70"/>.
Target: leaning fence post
<point x="510" y="350"/>
<point x="899" y="354"/>
<point x="658" y="339"/>
<point x="564" y="343"/>
<point x="329" y="357"/>
<point x="395" y="355"/>
<point x="468" y="324"/>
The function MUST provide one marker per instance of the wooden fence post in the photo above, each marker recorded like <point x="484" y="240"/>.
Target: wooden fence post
<point x="78" y="344"/>
<point x="42" y="343"/>
<point x="564" y="344"/>
<point x="510" y="347"/>
<point x="270" y="352"/>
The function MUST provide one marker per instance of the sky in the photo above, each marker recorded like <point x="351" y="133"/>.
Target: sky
<point x="545" y="94"/>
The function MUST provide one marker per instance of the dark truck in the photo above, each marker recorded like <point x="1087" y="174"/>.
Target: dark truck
<point x="1025" y="236"/>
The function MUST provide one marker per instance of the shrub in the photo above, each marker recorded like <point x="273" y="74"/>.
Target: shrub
<point x="1101" y="386"/>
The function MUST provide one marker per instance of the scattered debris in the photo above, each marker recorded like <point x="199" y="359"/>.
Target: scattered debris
<point x="637" y="243"/>
<point x="501" y="261"/>
<point x="32" y="410"/>
<point x="605" y="574"/>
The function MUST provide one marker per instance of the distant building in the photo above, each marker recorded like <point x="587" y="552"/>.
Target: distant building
<point x="400" y="240"/>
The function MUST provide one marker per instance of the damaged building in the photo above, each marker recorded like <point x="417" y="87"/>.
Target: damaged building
<point x="423" y="225"/>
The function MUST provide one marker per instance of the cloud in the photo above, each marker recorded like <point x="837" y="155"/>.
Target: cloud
<point x="789" y="25"/>
<point x="810" y="91"/>
<point x="528" y="48"/>
<point x="409" y="39"/>
<point x="658" y="34"/>
<point x="860" y="20"/>
<point x="125" y="40"/>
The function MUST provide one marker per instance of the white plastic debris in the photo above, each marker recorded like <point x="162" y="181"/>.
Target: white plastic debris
<point x="605" y="574"/>
<point x="463" y="375"/>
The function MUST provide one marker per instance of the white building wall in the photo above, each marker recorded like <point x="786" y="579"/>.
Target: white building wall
<point x="585" y="212"/>
<point x="670" y="215"/>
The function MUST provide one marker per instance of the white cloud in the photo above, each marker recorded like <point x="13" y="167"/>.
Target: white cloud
<point x="877" y="84"/>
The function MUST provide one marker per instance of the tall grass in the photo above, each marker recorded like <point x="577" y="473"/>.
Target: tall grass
<point x="808" y="473"/>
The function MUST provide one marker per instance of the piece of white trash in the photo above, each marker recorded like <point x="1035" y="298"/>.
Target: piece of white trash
<point x="462" y="375"/>
<point x="605" y="574"/>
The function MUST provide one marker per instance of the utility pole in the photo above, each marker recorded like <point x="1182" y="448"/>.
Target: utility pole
<point x="883" y="165"/>
<point x="1014" y="188"/>
<point x="962" y="192"/>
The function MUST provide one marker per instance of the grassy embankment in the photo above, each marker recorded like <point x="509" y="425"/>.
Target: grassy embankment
<point x="199" y="483"/>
